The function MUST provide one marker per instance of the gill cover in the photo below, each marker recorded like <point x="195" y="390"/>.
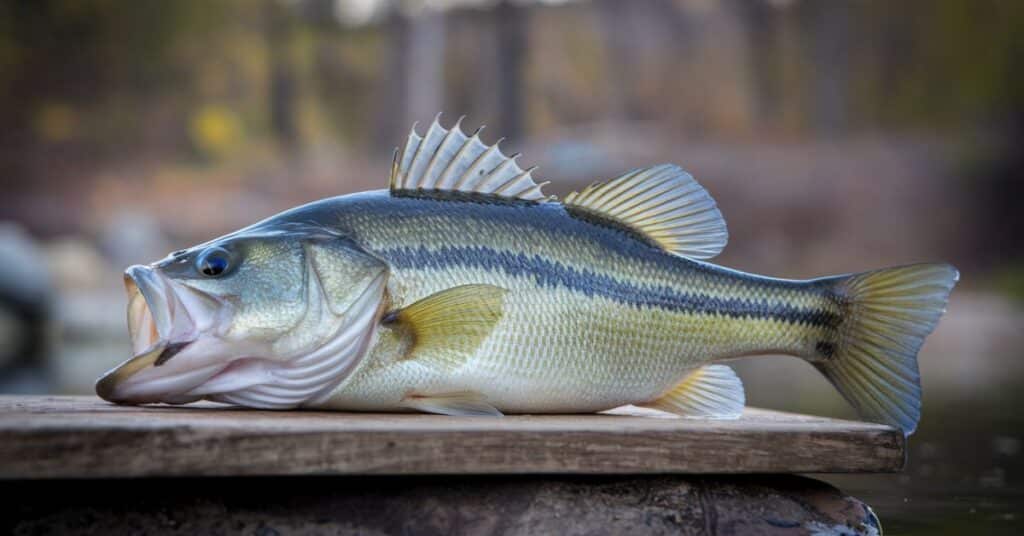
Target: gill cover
<point x="344" y="291"/>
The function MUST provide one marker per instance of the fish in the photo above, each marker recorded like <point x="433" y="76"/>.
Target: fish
<point x="462" y="289"/>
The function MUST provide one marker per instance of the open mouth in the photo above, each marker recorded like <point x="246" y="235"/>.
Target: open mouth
<point x="149" y="313"/>
<point x="160" y="327"/>
<point x="180" y="354"/>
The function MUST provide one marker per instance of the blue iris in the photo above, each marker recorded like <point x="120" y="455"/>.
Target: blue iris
<point x="213" y="262"/>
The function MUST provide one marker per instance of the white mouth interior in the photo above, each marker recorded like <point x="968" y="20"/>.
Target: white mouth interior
<point x="141" y="326"/>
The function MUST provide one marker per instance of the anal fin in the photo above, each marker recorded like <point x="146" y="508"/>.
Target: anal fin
<point x="459" y="403"/>
<point x="712" y="391"/>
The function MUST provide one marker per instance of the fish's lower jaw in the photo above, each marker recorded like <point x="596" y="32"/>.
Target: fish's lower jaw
<point x="146" y="387"/>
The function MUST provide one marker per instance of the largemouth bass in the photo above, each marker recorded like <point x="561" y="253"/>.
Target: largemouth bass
<point x="463" y="290"/>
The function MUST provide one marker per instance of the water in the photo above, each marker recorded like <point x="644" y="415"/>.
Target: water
<point x="965" y="474"/>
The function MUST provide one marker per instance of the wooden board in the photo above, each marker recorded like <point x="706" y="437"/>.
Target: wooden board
<point x="82" y="437"/>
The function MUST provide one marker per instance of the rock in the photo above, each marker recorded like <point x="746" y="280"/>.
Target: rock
<point x="527" y="505"/>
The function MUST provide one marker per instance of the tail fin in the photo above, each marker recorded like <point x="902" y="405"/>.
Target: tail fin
<point x="886" y="316"/>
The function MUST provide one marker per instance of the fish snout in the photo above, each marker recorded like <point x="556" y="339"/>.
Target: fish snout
<point x="160" y="327"/>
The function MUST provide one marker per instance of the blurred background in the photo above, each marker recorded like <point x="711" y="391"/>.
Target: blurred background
<point x="836" y="137"/>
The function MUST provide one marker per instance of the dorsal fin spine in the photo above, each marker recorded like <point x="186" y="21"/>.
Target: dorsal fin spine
<point x="476" y="165"/>
<point x="494" y="173"/>
<point x="443" y="181"/>
<point x="538" y="187"/>
<point x="433" y="158"/>
<point x="508" y="186"/>
<point x="417" y="159"/>
<point x="394" y="170"/>
<point x="472" y="167"/>
<point x="446" y="164"/>
<point x="405" y="150"/>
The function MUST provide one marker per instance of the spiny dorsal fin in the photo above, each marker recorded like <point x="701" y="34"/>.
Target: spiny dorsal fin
<point x="447" y="327"/>
<point x="446" y="161"/>
<point x="662" y="203"/>
<point x="713" y="391"/>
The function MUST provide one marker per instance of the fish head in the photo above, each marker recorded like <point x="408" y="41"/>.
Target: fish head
<point x="265" y="318"/>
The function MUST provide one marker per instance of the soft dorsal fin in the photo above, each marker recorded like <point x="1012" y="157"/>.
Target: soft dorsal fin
<point x="445" y="161"/>
<point x="447" y="327"/>
<point x="662" y="203"/>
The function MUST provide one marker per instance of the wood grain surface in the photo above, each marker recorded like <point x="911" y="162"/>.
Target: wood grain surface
<point x="84" y="437"/>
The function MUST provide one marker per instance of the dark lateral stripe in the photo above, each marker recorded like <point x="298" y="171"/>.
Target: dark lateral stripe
<point x="548" y="273"/>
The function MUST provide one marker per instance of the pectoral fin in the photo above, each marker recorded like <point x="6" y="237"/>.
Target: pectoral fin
<point x="445" y="329"/>
<point x="460" y="403"/>
<point x="713" y="391"/>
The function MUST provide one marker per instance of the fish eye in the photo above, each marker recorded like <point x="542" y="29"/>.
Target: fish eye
<point x="213" y="262"/>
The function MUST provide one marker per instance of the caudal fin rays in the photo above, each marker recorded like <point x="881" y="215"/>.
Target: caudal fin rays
<point x="887" y="315"/>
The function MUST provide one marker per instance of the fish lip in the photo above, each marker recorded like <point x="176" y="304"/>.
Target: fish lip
<point x="163" y="309"/>
<point x="106" y="385"/>
<point x="147" y="282"/>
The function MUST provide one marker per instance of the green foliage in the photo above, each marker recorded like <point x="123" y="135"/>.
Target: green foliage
<point x="939" y="64"/>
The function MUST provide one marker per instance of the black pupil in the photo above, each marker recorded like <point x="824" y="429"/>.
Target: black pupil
<point x="214" y="264"/>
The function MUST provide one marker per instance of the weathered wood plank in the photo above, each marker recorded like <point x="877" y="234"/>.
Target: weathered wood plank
<point x="77" y="437"/>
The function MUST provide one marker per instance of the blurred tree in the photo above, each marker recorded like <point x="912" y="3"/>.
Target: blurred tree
<point x="280" y="24"/>
<point x="510" y="58"/>
<point x="414" y="83"/>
